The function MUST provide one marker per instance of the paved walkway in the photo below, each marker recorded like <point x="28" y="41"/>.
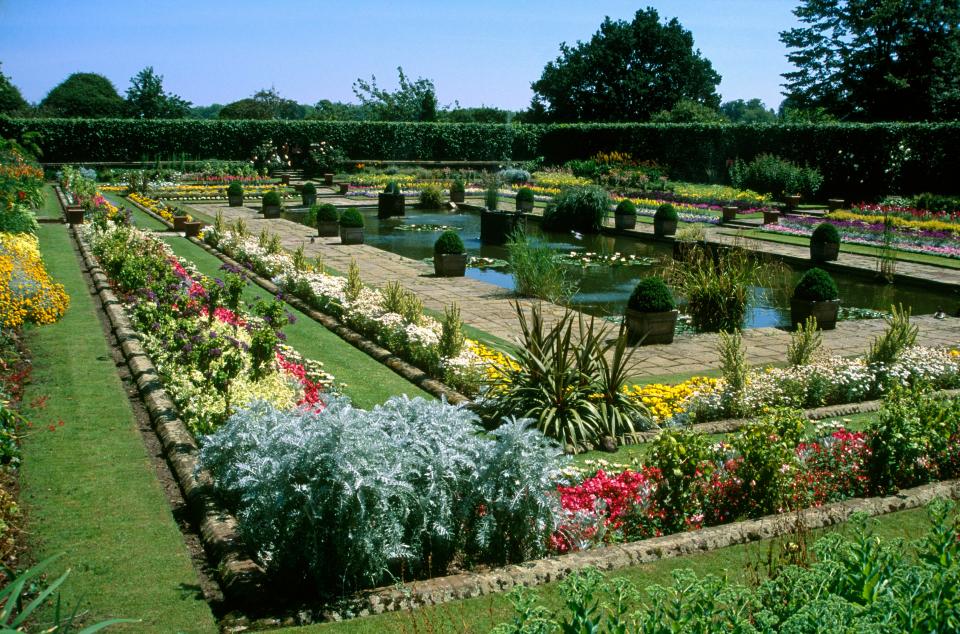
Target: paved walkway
<point x="490" y="308"/>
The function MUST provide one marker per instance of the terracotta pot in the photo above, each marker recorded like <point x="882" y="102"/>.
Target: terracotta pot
<point x="450" y="264"/>
<point x="457" y="197"/>
<point x="328" y="179"/>
<point x="344" y="187"/>
<point x="824" y="251"/>
<point x="179" y="223"/>
<point x="664" y="228"/>
<point x="327" y="228"/>
<point x="308" y="200"/>
<point x="525" y="206"/>
<point x="648" y="329"/>
<point x="825" y="312"/>
<point x="730" y="213"/>
<point x="390" y="205"/>
<point x="271" y="211"/>
<point x="235" y="201"/>
<point x="192" y="229"/>
<point x="351" y="235"/>
<point x="75" y="215"/>
<point x="625" y="221"/>
<point x="771" y="217"/>
<point x="496" y="226"/>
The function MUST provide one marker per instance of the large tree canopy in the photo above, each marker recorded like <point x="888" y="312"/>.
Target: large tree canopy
<point x="412" y="101"/>
<point x="265" y="104"/>
<point x="146" y="98"/>
<point x="752" y="111"/>
<point x="86" y="95"/>
<point x="626" y="72"/>
<point x="11" y="101"/>
<point x="876" y="60"/>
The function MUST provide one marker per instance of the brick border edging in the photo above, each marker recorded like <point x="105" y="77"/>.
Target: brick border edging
<point x="406" y="370"/>
<point x="240" y="576"/>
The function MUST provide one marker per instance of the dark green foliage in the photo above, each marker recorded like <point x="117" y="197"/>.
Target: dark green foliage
<point x="309" y="189"/>
<point x="769" y="174"/>
<point x="577" y="208"/>
<point x="688" y="111"/>
<point x="525" y="195"/>
<point x="626" y="72"/>
<point x="11" y="101"/>
<point x="235" y="189"/>
<point x="392" y="188"/>
<point x="271" y="199"/>
<point x="431" y="197"/>
<point x="666" y="211"/>
<point x="876" y="61"/>
<point x="457" y="186"/>
<point x="753" y="111"/>
<point x="326" y="213"/>
<point x="626" y="208"/>
<point x="264" y="104"/>
<point x="825" y="233"/>
<point x="935" y="202"/>
<point x="412" y="101"/>
<point x="816" y="285"/>
<point x="351" y="218"/>
<point x="146" y="98"/>
<point x="448" y="242"/>
<point x="85" y="95"/>
<point x="651" y="295"/>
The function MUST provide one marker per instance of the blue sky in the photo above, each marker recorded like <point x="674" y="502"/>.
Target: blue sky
<point x="483" y="52"/>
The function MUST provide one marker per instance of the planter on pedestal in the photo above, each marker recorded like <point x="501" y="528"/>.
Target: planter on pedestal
<point x="647" y="329"/>
<point x="235" y="200"/>
<point x="770" y="217"/>
<point x="179" y="223"/>
<point x="328" y="179"/>
<point x="730" y="214"/>
<point x="285" y="179"/>
<point x="793" y="202"/>
<point x="389" y="205"/>
<point x="664" y="228"/>
<point x="524" y="206"/>
<point x="834" y="204"/>
<point x="457" y="196"/>
<point x="327" y="228"/>
<point x="825" y="312"/>
<point x="308" y="200"/>
<point x="75" y="215"/>
<point x="192" y="229"/>
<point x="271" y="211"/>
<point x="496" y="226"/>
<point x="450" y="264"/>
<point x="625" y="221"/>
<point x="351" y="235"/>
<point x="344" y="187"/>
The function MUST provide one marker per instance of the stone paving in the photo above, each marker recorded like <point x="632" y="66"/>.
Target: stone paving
<point x="490" y="308"/>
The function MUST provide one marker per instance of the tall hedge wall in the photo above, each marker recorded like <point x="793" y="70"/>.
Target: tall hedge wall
<point x="856" y="159"/>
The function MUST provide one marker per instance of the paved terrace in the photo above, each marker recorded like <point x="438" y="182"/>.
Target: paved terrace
<point x="490" y="308"/>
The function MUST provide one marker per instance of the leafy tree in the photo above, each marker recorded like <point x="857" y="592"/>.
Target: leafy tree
<point x="753" y="111"/>
<point x="627" y="71"/>
<point x="83" y="95"/>
<point x="687" y="111"/>
<point x="483" y="114"/>
<point x="326" y="110"/>
<point x="264" y="104"/>
<point x="413" y="101"/>
<point x="147" y="100"/>
<point x="206" y="112"/>
<point x="11" y="101"/>
<point x="872" y="60"/>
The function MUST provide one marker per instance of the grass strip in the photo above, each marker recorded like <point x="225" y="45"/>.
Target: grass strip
<point x="89" y="488"/>
<point x="51" y="206"/>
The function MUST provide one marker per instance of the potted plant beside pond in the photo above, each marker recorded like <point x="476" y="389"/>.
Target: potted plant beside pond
<point x="816" y="295"/>
<point x="625" y="215"/>
<point x="391" y="201"/>
<point x="825" y="243"/>
<point x="449" y="255"/>
<point x="651" y="314"/>
<point x="235" y="194"/>
<point x="458" y="190"/>
<point x="308" y="195"/>
<point x="328" y="224"/>
<point x="192" y="228"/>
<point x="351" y="227"/>
<point x="525" y="200"/>
<point x="271" y="204"/>
<point x="665" y="221"/>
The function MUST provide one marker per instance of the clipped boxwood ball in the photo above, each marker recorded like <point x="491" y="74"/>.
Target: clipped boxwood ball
<point x="525" y="195"/>
<point x="448" y="243"/>
<point x="309" y="189"/>
<point x="825" y="233"/>
<point x="626" y="208"/>
<point x="235" y="189"/>
<point x="326" y="213"/>
<point x="351" y="218"/>
<point x="271" y="199"/>
<point x="816" y="285"/>
<point x="666" y="211"/>
<point x="651" y="295"/>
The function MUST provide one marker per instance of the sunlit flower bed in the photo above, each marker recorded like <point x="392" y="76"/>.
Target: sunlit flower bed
<point x="27" y="292"/>
<point x="901" y="218"/>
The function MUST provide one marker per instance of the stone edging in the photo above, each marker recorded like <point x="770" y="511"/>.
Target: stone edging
<point x="240" y="576"/>
<point x="407" y="370"/>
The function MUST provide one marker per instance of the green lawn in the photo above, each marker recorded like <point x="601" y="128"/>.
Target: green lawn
<point x="89" y="489"/>
<point x="51" y="206"/>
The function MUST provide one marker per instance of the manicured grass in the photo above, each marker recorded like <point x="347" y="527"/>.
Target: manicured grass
<point x="743" y="564"/>
<point x="367" y="382"/>
<point x="51" y="206"/>
<point x="140" y="218"/>
<point x="858" y="249"/>
<point x="89" y="489"/>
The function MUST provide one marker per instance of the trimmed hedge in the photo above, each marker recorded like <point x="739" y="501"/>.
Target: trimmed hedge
<point x="857" y="160"/>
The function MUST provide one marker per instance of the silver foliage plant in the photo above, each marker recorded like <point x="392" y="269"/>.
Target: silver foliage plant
<point x="352" y="498"/>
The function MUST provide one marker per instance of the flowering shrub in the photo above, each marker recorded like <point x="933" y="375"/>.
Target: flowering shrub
<point x="27" y="292"/>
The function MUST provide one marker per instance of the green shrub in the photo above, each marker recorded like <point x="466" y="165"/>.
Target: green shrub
<point x="448" y="242"/>
<point x="235" y="189"/>
<point x="578" y="209"/>
<point x="937" y="202"/>
<point x="271" y="199"/>
<point x="392" y="188"/>
<point x="825" y="233"/>
<point x="326" y="213"/>
<point x="536" y="270"/>
<point x="769" y="174"/>
<point x="351" y="218"/>
<point x="431" y="197"/>
<point x="457" y="186"/>
<point x="887" y="347"/>
<point x="816" y="285"/>
<point x="626" y="208"/>
<point x="491" y="197"/>
<point x="805" y="342"/>
<point x="651" y="295"/>
<point x="525" y="195"/>
<point x="18" y="219"/>
<point x="667" y="212"/>
<point x="513" y="176"/>
<point x="309" y="189"/>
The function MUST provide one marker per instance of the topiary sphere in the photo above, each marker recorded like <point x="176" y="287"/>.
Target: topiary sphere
<point x="816" y="285"/>
<point x="651" y="295"/>
<point x="825" y="233"/>
<point x="326" y="212"/>
<point x="351" y="218"/>
<point x="309" y="189"/>
<point x="626" y="208"/>
<point x="525" y="195"/>
<point x="235" y="189"/>
<point x="271" y="199"/>
<point x="666" y="211"/>
<point x="448" y="243"/>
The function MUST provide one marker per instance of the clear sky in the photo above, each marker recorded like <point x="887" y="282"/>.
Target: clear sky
<point x="484" y="52"/>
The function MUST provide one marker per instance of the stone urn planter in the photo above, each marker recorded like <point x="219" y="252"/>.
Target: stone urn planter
<point x="75" y="215"/>
<point x="180" y="223"/>
<point x="192" y="229"/>
<point x="824" y="251"/>
<point x="730" y="214"/>
<point x="824" y="311"/>
<point x="664" y="228"/>
<point x="344" y="187"/>
<point x="271" y="211"/>
<point x="625" y="221"/>
<point x="496" y="226"/>
<point x="648" y="329"/>
<point x="450" y="264"/>
<point x="328" y="179"/>
<point x="235" y="200"/>
<point x="390" y="205"/>
<point x="793" y="202"/>
<point x="834" y="204"/>
<point x="770" y="217"/>
<point x="351" y="235"/>
<point x="327" y="228"/>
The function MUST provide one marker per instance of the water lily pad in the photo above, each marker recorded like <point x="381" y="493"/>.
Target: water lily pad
<point x="427" y="228"/>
